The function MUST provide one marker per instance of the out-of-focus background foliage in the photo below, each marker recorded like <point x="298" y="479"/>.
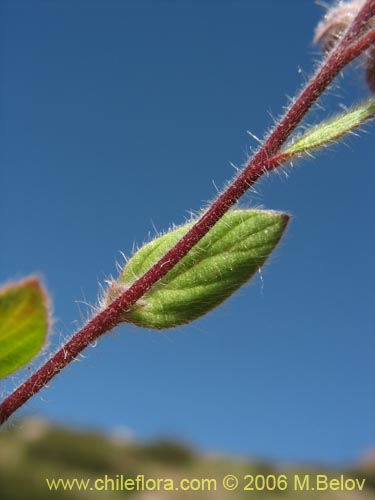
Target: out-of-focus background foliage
<point x="34" y="451"/>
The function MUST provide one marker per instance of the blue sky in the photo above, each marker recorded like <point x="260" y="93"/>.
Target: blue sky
<point x="121" y="116"/>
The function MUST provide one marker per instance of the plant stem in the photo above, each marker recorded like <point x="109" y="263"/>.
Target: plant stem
<point x="359" y="23"/>
<point x="266" y="160"/>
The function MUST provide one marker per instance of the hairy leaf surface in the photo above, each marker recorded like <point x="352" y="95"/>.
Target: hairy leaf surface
<point x="23" y="324"/>
<point x="226" y="258"/>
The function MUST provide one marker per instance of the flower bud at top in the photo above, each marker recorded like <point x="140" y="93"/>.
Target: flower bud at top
<point x="334" y="24"/>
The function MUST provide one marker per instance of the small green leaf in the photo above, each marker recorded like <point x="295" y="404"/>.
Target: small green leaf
<point x="23" y="324"/>
<point x="333" y="129"/>
<point x="227" y="257"/>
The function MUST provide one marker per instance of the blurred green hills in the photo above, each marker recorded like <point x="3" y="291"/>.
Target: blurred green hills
<point x="32" y="451"/>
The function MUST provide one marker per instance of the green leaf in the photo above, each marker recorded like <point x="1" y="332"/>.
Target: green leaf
<point x="226" y="258"/>
<point x="333" y="129"/>
<point x="23" y="324"/>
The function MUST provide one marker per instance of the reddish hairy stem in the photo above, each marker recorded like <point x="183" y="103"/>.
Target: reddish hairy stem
<point x="264" y="161"/>
<point x="342" y="55"/>
<point x="359" y="23"/>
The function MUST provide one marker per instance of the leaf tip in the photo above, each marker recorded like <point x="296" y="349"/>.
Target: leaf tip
<point x="26" y="320"/>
